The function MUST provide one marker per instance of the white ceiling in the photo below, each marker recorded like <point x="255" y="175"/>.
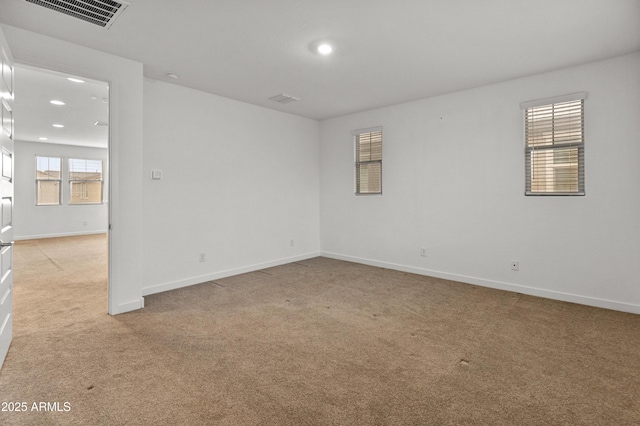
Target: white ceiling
<point x="85" y="104"/>
<point x="386" y="51"/>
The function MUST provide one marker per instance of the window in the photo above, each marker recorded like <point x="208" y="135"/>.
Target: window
<point x="368" y="161"/>
<point x="85" y="181"/>
<point x="48" y="181"/>
<point x="554" y="145"/>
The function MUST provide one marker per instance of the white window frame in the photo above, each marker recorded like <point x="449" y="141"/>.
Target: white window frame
<point x="59" y="180"/>
<point x="85" y="181"/>
<point x="565" y="139"/>
<point x="359" y="162"/>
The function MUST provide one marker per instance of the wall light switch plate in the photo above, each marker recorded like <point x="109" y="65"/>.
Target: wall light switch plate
<point x="156" y="174"/>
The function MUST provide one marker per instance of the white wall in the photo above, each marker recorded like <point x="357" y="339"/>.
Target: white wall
<point x="239" y="183"/>
<point x="453" y="182"/>
<point x="125" y="102"/>
<point x="33" y="221"/>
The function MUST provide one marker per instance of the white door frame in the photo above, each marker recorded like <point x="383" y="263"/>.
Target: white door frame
<point x="125" y="78"/>
<point x="7" y="195"/>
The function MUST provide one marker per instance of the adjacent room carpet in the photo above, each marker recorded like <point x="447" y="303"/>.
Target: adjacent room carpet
<point x="317" y="342"/>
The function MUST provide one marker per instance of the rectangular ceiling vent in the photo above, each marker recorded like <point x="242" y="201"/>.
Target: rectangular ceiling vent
<point x="98" y="12"/>
<point x="283" y="99"/>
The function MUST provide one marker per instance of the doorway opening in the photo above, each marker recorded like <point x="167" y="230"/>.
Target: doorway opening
<point x="61" y="192"/>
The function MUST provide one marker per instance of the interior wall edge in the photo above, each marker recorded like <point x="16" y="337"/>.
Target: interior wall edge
<point x="498" y="285"/>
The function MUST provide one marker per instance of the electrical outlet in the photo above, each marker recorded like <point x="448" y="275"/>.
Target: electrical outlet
<point x="84" y="223"/>
<point x="515" y="265"/>
<point x="423" y="252"/>
<point x="201" y="257"/>
<point x="292" y="242"/>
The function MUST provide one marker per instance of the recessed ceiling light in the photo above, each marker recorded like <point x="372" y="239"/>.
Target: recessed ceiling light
<point x="172" y="75"/>
<point x="325" y="49"/>
<point x="43" y="139"/>
<point x="58" y="125"/>
<point x="75" y="80"/>
<point x="55" y="102"/>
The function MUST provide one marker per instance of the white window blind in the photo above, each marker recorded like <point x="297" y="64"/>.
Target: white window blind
<point x="554" y="146"/>
<point x="368" y="161"/>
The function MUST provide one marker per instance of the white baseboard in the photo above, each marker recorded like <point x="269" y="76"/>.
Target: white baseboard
<point x="173" y="285"/>
<point x="63" y="234"/>
<point x="128" y="306"/>
<point x="532" y="291"/>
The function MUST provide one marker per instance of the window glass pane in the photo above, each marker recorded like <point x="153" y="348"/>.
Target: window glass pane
<point x="48" y="192"/>
<point x="369" y="163"/>
<point x="85" y="181"/>
<point x="85" y="169"/>
<point x="554" y="154"/>
<point x="369" y="146"/>
<point x="48" y="168"/>
<point x="554" y="124"/>
<point x="86" y="192"/>
<point x="48" y="175"/>
<point x="369" y="177"/>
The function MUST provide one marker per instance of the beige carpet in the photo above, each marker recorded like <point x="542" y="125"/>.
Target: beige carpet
<point x="319" y="342"/>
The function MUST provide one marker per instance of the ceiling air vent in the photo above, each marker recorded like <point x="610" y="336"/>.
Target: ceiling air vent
<point x="283" y="99"/>
<point x="98" y="12"/>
